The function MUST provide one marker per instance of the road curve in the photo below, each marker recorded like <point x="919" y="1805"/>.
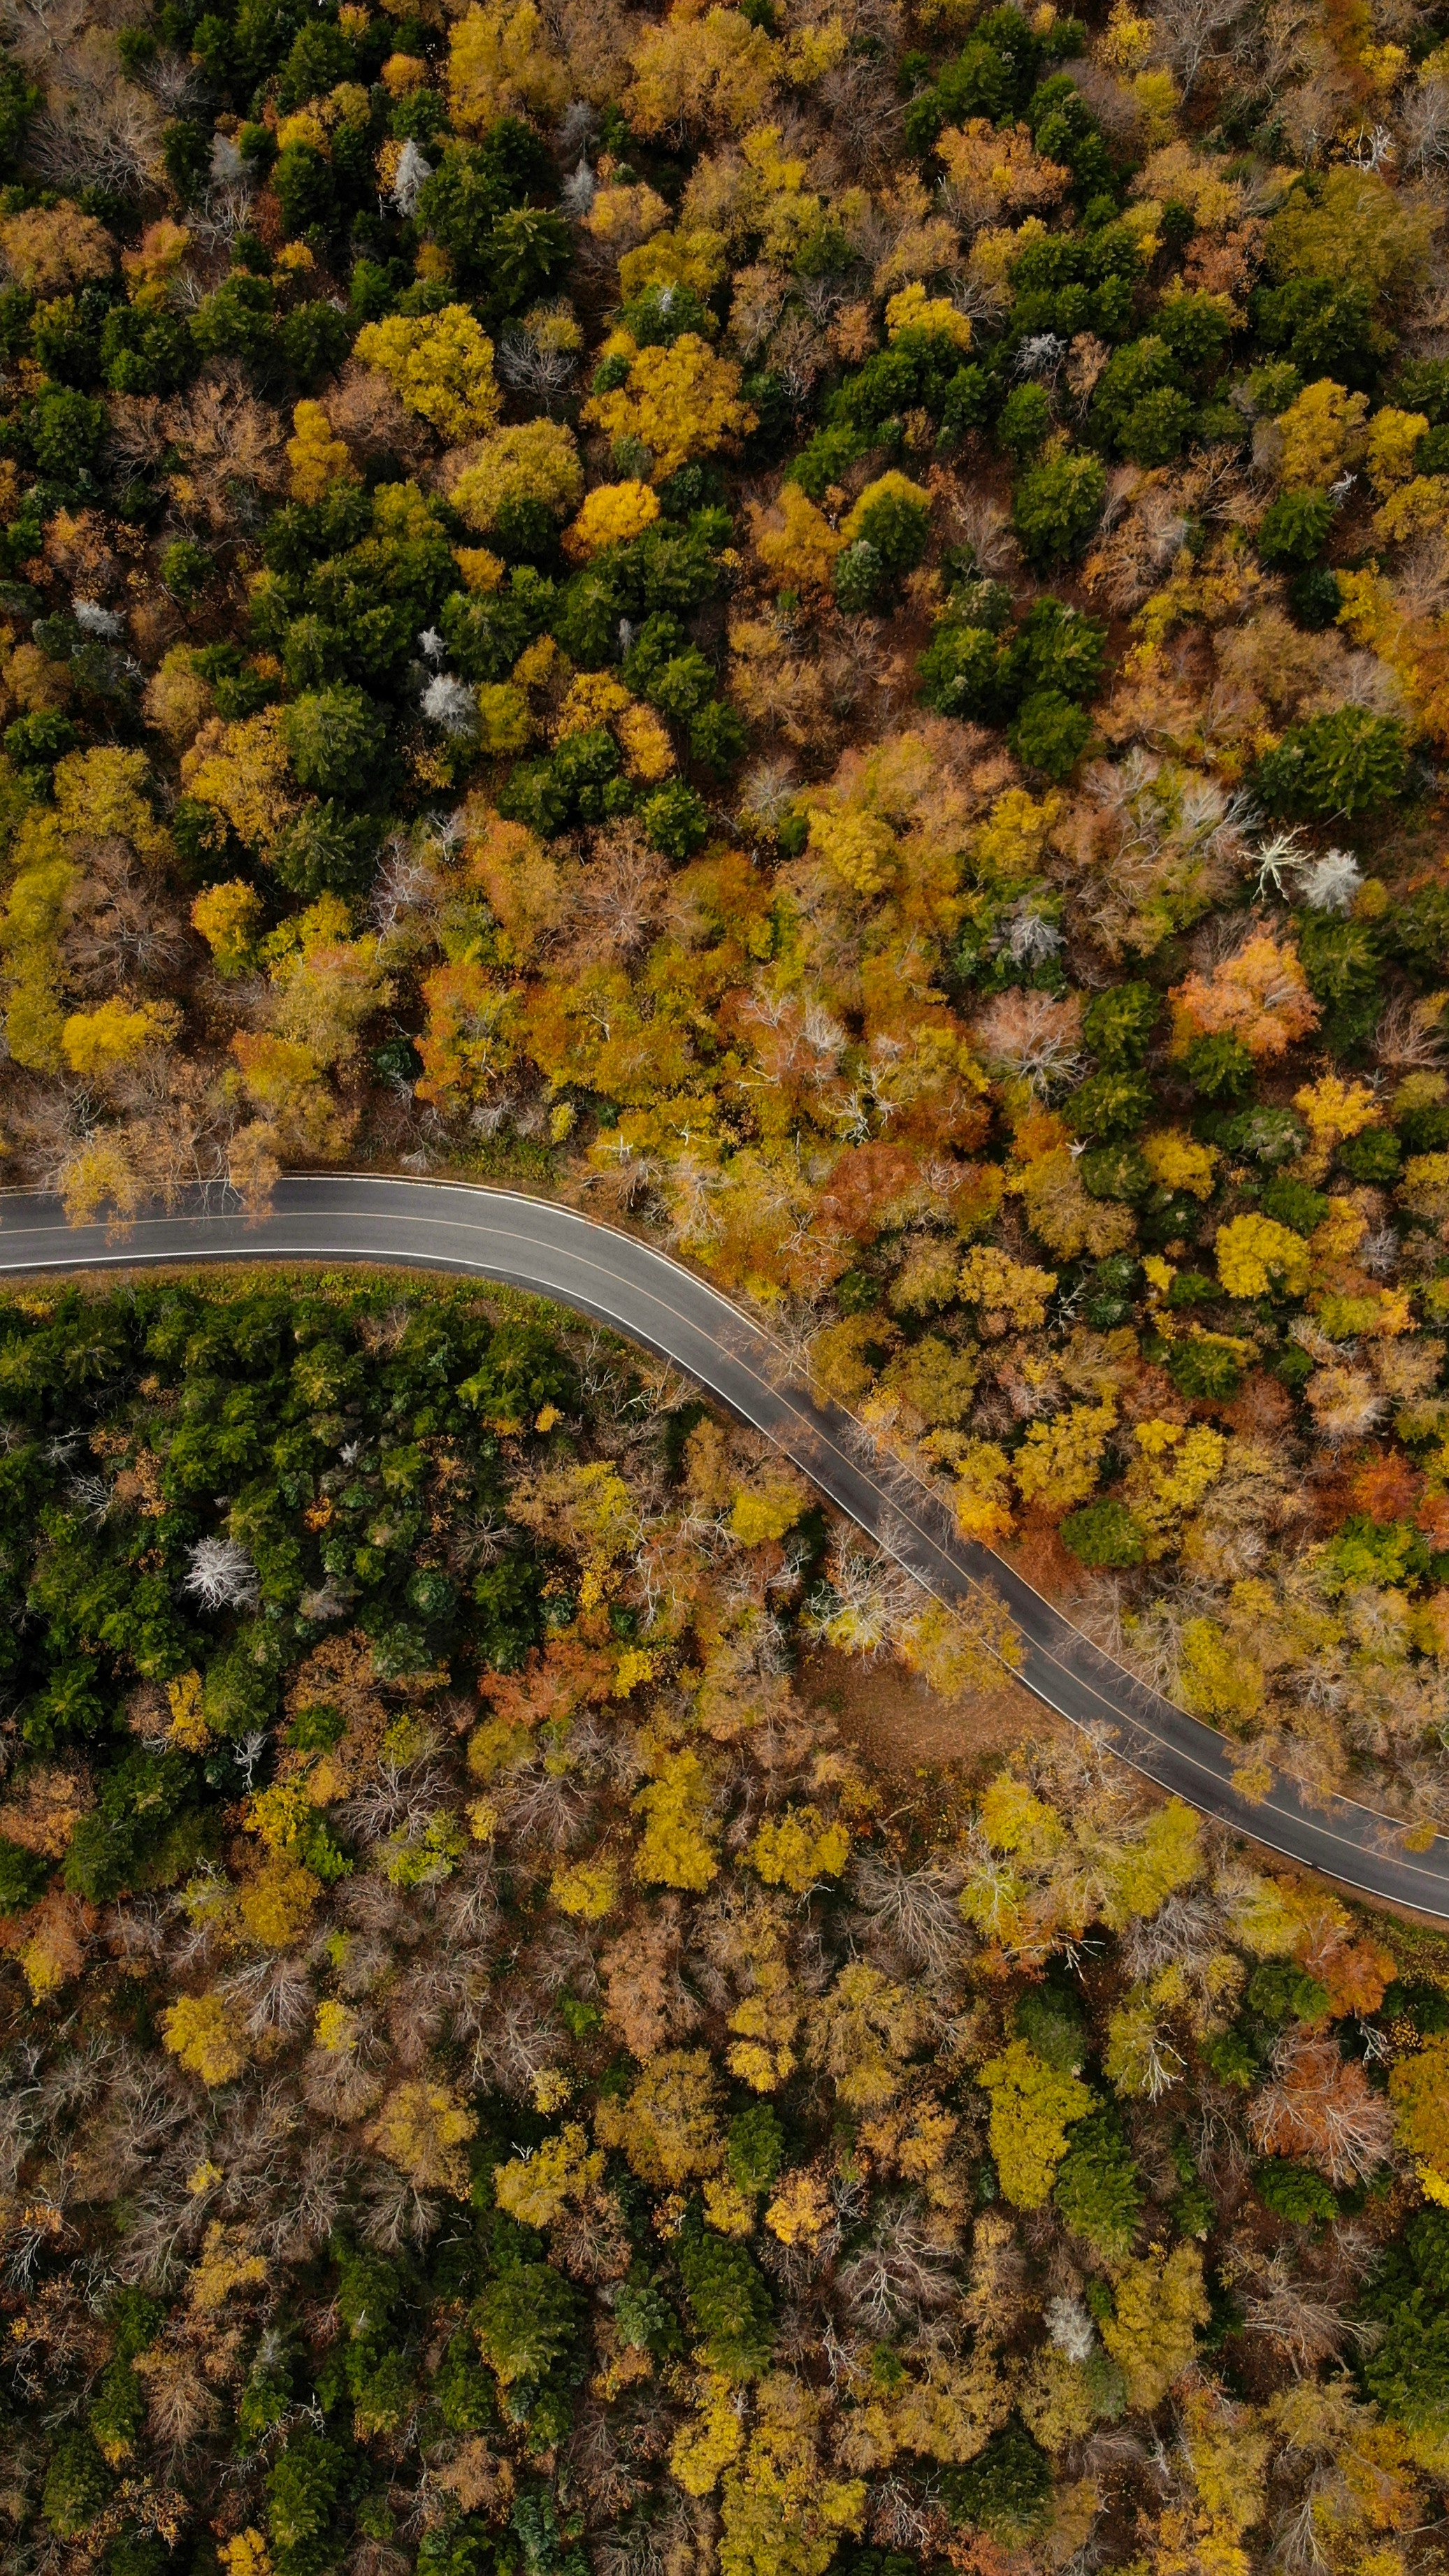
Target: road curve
<point x="533" y="1244"/>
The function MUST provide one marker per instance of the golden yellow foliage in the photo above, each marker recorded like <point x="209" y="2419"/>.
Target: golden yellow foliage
<point x="177" y="700"/>
<point x="245" y="771"/>
<point x="1178" y="1163"/>
<point x="710" y="2438"/>
<point x="1031" y="2106"/>
<point x="727" y="2209"/>
<point x="501" y="63"/>
<point x="765" y="2026"/>
<point x="199" y="2031"/>
<point x="862" y="2033"/>
<point x="1257" y="1257"/>
<point x="858" y="847"/>
<point x="613" y="515"/>
<point x="622" y="214"/>
<point x="644" y="741"/>
<point x="797" y="1848"/>
<point x="1010" y="1294"/>
<point x="440" y="365"/>
<point x="223" y="2266"/>
<point x="1014" y="1819"/>
<point x="668" y="2126"/>
<point x="914" y="310"/>
<point x="679" y="402"/>
<point x="693" y="256"/>
<point x="801" y="2209"/>
<point x="1058" y="1461"/>
<point x="674" y="1851"/>
<point x="1217" y="1678"/>
<point x="1321" y="434"/>
<point x="766" y="1511"/>
<point x="563" y="2171"/>
<point x="54" y="1952"/>
<point x="96" y="1042"/>
<point x="537" y="460"/>
<point x="1392" y="439"/>
<point x="277" y="1903"/>
<point x="229" y="917"/>
<point x="1056" y="2401"/>
<point x="335" y="2028"/>
<point x="1335" y="1108"/>
<point x="993" y="170"/>
<point x="1419" y="2091"/>
<point x="587" y="1888"/>
<point x="315" y="458"/>
<point x="780" y="2514"/>
<point x="709" y="69"/>
<point x="794" y="540"/>
<point x="962" y="1649"/>
<point x="422" y="2128"/>
<point x="1160" y="2304"/>
<point x="106" y="791"/>
<point x="48" y="250"/>
<point x="1138" y="1875"/>
<point x="246" y="2554"/>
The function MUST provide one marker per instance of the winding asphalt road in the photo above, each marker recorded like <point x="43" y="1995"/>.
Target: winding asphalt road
<point x="532" y="1244"/>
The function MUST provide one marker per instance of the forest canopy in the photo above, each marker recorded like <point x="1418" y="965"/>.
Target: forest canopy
<point x="820" y="629"/>
<point x="493" y="2080"/>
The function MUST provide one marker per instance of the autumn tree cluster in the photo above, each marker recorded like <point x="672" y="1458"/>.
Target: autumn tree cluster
<point x="824" y="631"/>
<point x="492" y="2081"/>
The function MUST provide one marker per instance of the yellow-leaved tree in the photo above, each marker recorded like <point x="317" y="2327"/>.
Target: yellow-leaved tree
<point x="1257" y="1257"/>
<point x="797" y="1848"/>
<point x="1161" y="2303"/>
<point x="680" y="402"/>
<point x="501" y="62"/>
<point x="710" y="70"/>
<point x="675" y="1851"/>
<point x="668" y="2126"/>
<point x="423" y="2128"/>
<point x="440" y="365"/>
<point x="199" y="2030"/>
<point x="537" y="2189"/>
<point x="535" y="464"/>
<point x="1057" y="1462"/>
<point x="1031" y="2106"/>
<point x="781" y="2514"/>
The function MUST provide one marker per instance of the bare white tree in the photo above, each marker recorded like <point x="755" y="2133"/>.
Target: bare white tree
<point x="221" y="1575"/>
<point x="411" y="174"/>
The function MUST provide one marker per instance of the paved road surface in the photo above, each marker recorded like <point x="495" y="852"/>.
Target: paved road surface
<point x="532" y="1244"/>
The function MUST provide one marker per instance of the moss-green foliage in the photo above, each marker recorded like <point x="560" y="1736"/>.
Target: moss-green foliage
<point x="302" y="2493"/>
<point x="77" y="2487"/>
<point x="1335" y="766"/>
<point x="755" y="2148"/>
<point x="1295" y="528"/>
<point x="1004" y="2490"/>
<point x="1104" y="1534"/>
<point x="1294" y="2192"/>
<point x="1057" y="505"/>
<point x="1097" y="2188"/>
<point x="525" y="2323"/>
<point x="729" y="2304"/>
<point x="1407" y="2369"/>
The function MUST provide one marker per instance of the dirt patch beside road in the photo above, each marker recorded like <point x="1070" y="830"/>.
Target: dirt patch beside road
<point x="901" y="1726"/>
